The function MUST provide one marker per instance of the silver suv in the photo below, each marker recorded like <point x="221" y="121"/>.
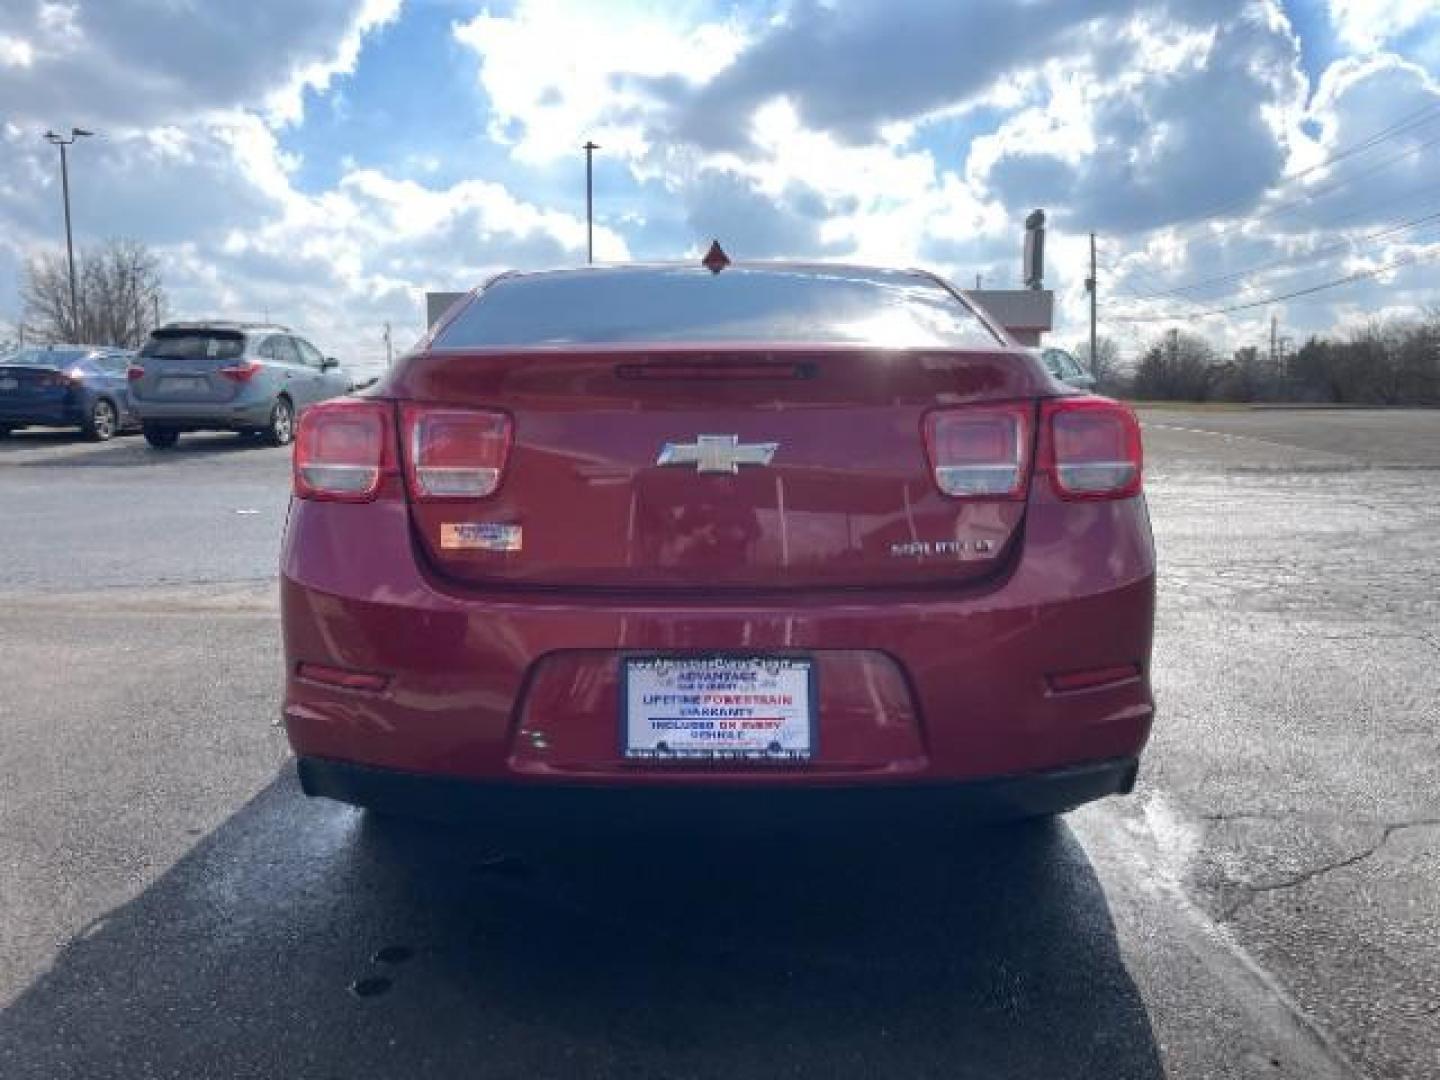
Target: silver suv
<point x="253" y="378"/>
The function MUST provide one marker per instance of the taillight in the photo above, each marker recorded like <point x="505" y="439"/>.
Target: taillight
<point x="981" y="452"/>
<point x="1090" y="447"/>
<point x="134" y="372"/>
<point x="242" y="372"/>
<point x="454" y="453"/>
<point x="343" y="450"/>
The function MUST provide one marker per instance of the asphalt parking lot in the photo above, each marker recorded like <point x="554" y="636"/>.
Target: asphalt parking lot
<point x="1265" y="905"/>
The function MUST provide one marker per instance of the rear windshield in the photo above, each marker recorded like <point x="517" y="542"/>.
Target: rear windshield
<point x="219" y="344"/>
<point x="739" y="305"/>
<point x="51" y="358"/>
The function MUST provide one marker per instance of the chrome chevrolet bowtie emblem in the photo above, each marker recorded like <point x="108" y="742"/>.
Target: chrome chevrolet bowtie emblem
<point x="717" y="453"/>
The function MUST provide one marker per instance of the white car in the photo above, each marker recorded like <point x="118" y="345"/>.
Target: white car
<point x="1066" y="368"/>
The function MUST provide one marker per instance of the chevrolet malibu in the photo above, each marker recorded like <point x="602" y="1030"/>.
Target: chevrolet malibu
<point x="782" y="536"/>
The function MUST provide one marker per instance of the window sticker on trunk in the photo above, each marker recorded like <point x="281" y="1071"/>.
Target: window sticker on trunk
<point x="480" y="536"/>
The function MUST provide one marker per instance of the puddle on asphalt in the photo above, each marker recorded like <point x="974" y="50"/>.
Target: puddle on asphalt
<point x="370" y="986"/>
<point x="392" y="954"/>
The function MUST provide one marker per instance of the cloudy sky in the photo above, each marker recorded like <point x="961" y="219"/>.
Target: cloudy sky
<point x="323" y="162"/>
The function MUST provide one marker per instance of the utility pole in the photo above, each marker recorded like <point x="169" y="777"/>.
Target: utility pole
<point x="1274" y="341"/>
<point x="389" y="348"/>
<point x="979" y="282"/>
<point x="64" y="143"/>
<point x="155" y="298"/>
<point x="1091" y="286"/>
<point x="590" y="148"/>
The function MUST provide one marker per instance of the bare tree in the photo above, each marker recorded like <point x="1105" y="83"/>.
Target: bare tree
<point x="1105" y="364"/>
<point x="120" y="297"/>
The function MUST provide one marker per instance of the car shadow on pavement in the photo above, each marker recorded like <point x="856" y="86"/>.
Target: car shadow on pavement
<point x="306" y="939"/>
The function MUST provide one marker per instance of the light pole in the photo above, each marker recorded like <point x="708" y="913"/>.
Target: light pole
<point x="1092" y="286"/>
<point x="590" y="148"/>
<point x="62" y="143"/>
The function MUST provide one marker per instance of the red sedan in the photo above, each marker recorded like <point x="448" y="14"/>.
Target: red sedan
<point x="777" y="534"/>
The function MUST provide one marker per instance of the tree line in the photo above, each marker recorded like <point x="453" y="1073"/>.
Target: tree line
<point x="1394" y="362"/>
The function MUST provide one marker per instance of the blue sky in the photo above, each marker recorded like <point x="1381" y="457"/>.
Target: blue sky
<point x="326" y="161"/>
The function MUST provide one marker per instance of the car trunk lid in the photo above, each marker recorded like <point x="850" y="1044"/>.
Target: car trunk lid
<point x="712" y="469"/>
<point x="32" y="383"/>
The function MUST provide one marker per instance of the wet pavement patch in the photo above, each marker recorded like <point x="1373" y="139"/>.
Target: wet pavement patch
<point x="370" y="986"/>
<point x="392" y="954"/>
<point x="504" y="866"/>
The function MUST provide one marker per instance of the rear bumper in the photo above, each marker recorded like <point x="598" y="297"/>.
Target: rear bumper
<point x="446" y="798"/>
<point x="917" y="687"/>
<point x="203" y="415"/>
<point x="60" y="414"/>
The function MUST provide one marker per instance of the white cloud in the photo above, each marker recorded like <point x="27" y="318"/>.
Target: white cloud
<point x="552" y="68"/>
<point x="16" y="52"/>
<point x="287" y="104"/>
<point x="132" y="63"/>
<point x="1369" y="25"/>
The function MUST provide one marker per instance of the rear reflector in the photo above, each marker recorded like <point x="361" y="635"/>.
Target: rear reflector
<point x="342" y="449"/>
<point x="981" y="452"/>
<point x="1094" y="678"/>
<point x="1091" y="448"/>
<point x="454" y="453"/>
<point x="347" y="680"/>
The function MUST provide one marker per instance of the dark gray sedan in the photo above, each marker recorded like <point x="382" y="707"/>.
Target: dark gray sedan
<point x="80" y="386"/>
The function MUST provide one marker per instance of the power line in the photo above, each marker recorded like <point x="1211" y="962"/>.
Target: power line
<point x="1426" y="194"/>
<point x="1275" y="210"/>
<point x="1405" y="123"/>
<point x="1360" y="276"/>
<point x="1429" y="191"/>
<point x="1304" y="256"/>
<point x="1316" y="193"/>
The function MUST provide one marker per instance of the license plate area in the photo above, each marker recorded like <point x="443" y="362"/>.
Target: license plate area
<point x="184" y="384"/>
<point x="718" y="708"/>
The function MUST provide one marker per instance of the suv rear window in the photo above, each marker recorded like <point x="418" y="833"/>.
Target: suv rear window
<point x="217" y="344"/>
<point x="740" y="306"/>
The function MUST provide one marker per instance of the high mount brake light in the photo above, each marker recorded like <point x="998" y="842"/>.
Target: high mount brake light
<point x="343" y="449"/>
<point x="454" y="453"/>
<point x="1091" y="449"/>
<point x="243" y="371"/>
<point x="982" y="451"/>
